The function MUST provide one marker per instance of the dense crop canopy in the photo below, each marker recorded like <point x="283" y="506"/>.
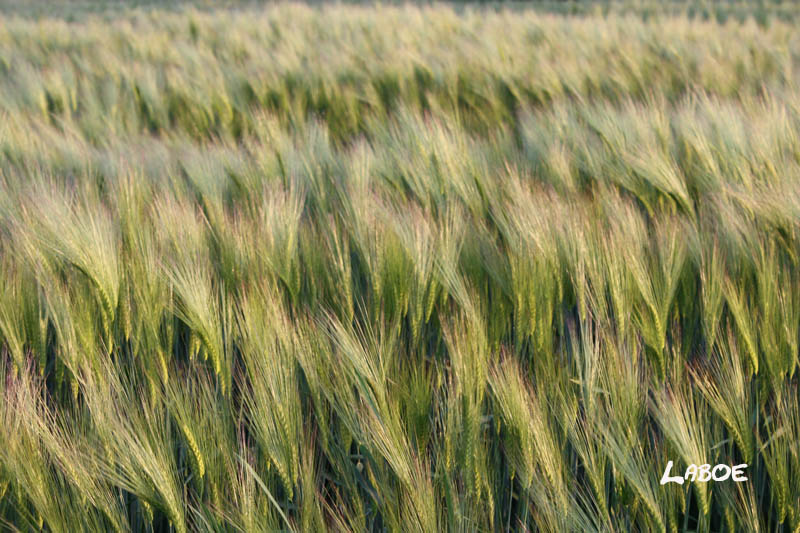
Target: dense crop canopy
<point x="398" y="269"/>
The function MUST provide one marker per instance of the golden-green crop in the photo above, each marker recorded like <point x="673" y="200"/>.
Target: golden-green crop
<point x="398" y="268"/>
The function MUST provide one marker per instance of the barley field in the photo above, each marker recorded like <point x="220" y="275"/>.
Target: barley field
<point x="286" y="267"/>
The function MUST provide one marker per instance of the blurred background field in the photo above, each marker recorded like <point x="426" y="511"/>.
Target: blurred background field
<point x="720" y="10"/>
<point x="398" y="267"/>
